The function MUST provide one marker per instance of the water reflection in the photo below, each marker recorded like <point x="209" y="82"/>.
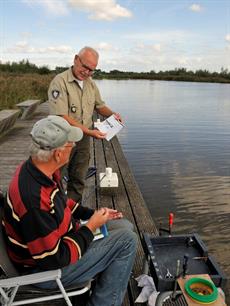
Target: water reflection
<point x="177" y="141"/>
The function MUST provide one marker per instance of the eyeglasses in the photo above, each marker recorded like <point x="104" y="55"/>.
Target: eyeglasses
<point x="90" y="70"/>
<point x="70" y="145"/>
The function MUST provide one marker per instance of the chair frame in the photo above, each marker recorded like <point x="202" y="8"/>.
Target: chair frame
<point x="12" y="281"/>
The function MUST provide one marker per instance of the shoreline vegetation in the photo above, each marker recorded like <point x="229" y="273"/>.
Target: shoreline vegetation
<point x="24" y="80"/>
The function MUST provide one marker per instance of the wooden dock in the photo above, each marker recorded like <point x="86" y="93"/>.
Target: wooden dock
<point x="128" y="198"/>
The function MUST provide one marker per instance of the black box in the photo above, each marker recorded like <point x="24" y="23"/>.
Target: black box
<point x="163" y="253"/>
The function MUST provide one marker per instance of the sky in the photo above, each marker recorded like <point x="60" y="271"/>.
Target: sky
<point x="130" y="35"/>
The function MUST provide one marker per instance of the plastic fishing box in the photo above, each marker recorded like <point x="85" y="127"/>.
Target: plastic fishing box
<point x="164" y="252"/>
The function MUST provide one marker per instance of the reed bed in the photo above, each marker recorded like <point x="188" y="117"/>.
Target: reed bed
<point x="16" y="88"/>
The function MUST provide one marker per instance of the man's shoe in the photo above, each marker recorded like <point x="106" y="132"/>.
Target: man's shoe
<point x="91" y="171"/>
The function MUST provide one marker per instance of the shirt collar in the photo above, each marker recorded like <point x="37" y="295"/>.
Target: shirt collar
<point x="40" y="176"/>
<point x="71" y="78"/>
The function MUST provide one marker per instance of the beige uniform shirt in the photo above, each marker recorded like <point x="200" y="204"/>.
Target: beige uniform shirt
<point x="67" y="98"/>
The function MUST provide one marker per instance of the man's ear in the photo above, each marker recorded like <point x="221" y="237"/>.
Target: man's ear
<point x="56" y="155"/>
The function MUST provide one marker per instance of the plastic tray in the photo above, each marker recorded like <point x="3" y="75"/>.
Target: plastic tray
<point x="163" y="253"/>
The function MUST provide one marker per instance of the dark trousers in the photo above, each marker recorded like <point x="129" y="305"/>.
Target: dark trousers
<point x="77" y="168"/>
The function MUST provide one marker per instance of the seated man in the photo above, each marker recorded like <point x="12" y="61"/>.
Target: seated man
<point x="41" y="224"/>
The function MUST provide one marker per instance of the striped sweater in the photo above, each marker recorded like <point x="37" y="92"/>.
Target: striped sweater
<point x="39" y="221"/>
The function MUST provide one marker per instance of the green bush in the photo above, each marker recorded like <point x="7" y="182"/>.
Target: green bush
<point x="16" y="88"/>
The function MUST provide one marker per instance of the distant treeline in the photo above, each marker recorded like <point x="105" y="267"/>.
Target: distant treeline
<point x="178" y="74"/>
<point x="23" y="80"/>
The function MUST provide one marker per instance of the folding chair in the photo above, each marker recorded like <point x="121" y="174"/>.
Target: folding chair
<point x="11" y="283"/>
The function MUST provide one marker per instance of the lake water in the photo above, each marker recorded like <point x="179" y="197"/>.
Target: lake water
<point x="177" y="142"/>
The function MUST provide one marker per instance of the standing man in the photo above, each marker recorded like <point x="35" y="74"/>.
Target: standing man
<point x="74" y="96"/>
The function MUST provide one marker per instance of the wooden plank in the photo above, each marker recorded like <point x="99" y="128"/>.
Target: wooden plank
<point x="141" y="213"/>
<point x="8" y="118"/>
<point x="89" y="194"/>
<point x="97" y="150"/>
<point x="103" y="200"/>
<point x="110" y="161"/>
<point x="28" y="103"/>
<point x="14" y="146"/>
<point x="121" y="203"/>
<point x="28" y="108"/>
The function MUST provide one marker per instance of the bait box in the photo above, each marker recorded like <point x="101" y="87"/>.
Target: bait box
<point x="164" y="252"/>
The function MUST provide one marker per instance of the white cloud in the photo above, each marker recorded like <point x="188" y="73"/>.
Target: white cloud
<point x="24" y="47"/>
<point x="143" y="57"/>
<point x="137" y="56"/>
<point x="26" y="35"/>
<point x="157" y="47"/>
<point x="59" y="49"/>
<point x="105" y="47"/>
<point x="182" y="60"/>
<point x="129" y="59"/>
<point x="195" y="7"/>
<point x="21" y="44"/>
<point x="101" y="9"/>
<point x="227" y="37"/>
<point x="98" y="9"/>
<point x="58" y="7"/>
<point x="159" y="36"/>
<point x="148" y="49"/>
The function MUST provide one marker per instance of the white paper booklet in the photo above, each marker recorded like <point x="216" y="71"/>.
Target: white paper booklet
<point x="110" y="126"/>
<point x="100" y="232"/>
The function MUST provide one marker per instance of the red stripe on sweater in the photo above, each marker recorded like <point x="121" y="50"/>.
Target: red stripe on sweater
<point x="14" y="194"/>
<point x="48" y="242"/>
<point x="11" y="232"/>
<point x="57" y="175"/>
<point x="74" y="255"/>
<point x="71" y="203"/>
<point x="45" y="200"/>
<point x="14" y="257"/>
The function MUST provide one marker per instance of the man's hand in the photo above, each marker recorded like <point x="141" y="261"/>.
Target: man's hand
<point x="99" y="218"/>
<point x="113" y="213"/>
<point x="97" y="134"/>
<point x="117" y="116"/>
<point x="94" y="133"/>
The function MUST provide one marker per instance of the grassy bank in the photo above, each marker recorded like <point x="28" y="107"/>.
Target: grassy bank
<point x="16" y="88"/>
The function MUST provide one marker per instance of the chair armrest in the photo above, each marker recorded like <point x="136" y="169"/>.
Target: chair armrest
<point x="31" y="278"/>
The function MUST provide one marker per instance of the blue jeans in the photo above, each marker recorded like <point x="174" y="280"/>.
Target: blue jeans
<point x="112" y="257"/>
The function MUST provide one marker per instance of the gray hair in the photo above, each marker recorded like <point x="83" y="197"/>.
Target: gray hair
<point x="89" y="49"/>
<point x="40" y="154"/>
